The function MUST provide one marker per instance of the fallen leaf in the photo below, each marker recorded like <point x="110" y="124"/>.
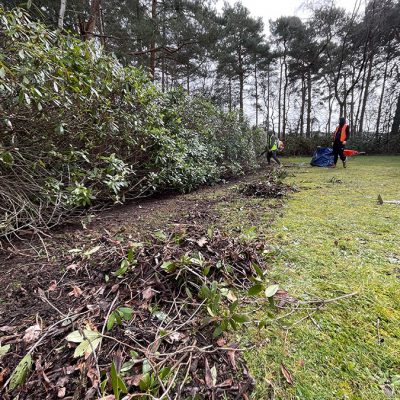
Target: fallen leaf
<point x="93" y="307"/>
<point x="20" y="373"/>
<point x="271" y="290"/>
<point x="148" y="293"/>
<point x="287" y="374"/>
<point x="160" y="315"/>
<point x="76" y="291"/>
<point x="3" y="373"/>
<point x="7" y="328"/>
<point x="94" y="378"/>
<point x="221" y="342"/>
<point x="53" y="286"/>
<point x="202" y="241"/>
<point x="91" y="394"/>
<point x="177" y="336"/>
<point x="74" y="267"/>
<point x="86" y="348"/>
<point x="70" y="369"/>
<point x="231" y="355"/>
<point x="62" y="381"/>
<point x="88" y="253"/>
<point x="41" y="293"/>
<point x="114" y="288"/>
<point x="32" y="333"/>
<point x="4" y="349"/>
<point x="61" y="392"/>
<point x="134" y="380"/>
<point x="214" y="375"/>
<point x="227" y="383"/>
<point x="88" y="341"/>
<point x="283" y="297"/>
<point x="39" y="370"/>
<point x="207" y="374"/>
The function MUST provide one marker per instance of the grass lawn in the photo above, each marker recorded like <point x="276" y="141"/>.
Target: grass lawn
<point x="333" y="239"/>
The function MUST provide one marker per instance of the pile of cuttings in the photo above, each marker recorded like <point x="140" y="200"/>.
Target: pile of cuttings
<point x="137" y="320"/>
<point x="265" y="189"/>
<point x="270" y="187"/>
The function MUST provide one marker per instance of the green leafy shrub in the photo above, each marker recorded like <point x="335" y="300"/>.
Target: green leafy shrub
<point x="79" y="129"/>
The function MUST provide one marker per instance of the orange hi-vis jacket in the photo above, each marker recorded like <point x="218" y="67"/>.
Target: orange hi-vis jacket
<point x="343" y="134"/>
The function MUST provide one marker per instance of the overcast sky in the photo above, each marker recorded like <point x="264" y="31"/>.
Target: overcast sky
<point x="273" y="9"/>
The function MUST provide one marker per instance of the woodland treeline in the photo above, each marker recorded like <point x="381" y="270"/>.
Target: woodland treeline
<point x="102" y="101"/>
<point x="296" y="80"/>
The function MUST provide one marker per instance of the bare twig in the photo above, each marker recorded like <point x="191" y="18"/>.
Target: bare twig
<point x="37" y="344"/>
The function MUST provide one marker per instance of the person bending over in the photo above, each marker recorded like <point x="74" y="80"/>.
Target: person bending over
<point x="271" y="148"/>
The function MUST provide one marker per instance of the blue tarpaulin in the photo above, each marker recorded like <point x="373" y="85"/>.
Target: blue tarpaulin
<point x="323" y="157"/>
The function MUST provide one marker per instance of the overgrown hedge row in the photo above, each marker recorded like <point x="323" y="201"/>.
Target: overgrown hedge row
<point x="78" y="129"/>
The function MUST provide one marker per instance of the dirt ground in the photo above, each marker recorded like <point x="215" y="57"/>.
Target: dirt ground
<point x="70" y="271"/>
<point x="30" y="263"/>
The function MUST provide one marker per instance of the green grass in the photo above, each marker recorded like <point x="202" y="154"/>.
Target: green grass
<point x="333" y="239"/>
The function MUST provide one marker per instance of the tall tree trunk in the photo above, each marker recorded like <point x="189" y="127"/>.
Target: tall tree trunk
<point x="355" y="131"/>
<point x="344" y="96"/>
<point x="63" y="5"/>
<point x="378" y="119"/>
<point x="163" y="71"/>
<point x="268" y="97"/>
<point x="153" y="40"/>
<point x="309" y="103"/>
<point x="352" y="100"/>
<point x="90" y="26"/>
<point x="395" y="131"/>
<point x="341" y="108"/>
<point x="256" y="91"/>
<point x="279" y="95"/>
<point x="102" y="30"/>
<point x="241" y="85"/>
<point x="230" y="94"/>
<point x="163" y="52"/>
<point x="330" y="103"/>
<point x="351" y="116"/>
<point x="366" y="93"/>
<point x="188" y="79"/>
<point x="303" y="102"/>
<point x="284" y="114"/>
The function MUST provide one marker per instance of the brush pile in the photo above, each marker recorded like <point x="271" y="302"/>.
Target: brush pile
<point x="135" y="319"/>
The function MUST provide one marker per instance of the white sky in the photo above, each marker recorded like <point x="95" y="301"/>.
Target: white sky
<point x="273" y="9"/>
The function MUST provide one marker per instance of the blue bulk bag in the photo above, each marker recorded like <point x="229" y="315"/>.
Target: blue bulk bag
<point x="323" y="157"/>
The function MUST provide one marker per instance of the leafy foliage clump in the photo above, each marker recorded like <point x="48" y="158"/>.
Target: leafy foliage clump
<point x="79" y="129"/>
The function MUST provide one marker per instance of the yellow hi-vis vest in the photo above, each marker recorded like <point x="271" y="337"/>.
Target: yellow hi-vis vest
<point x="273" y="143"/>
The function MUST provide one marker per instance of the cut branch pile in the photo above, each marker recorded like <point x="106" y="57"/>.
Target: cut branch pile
<point x="266" y="189"/>
<point x="142" y="320"/>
